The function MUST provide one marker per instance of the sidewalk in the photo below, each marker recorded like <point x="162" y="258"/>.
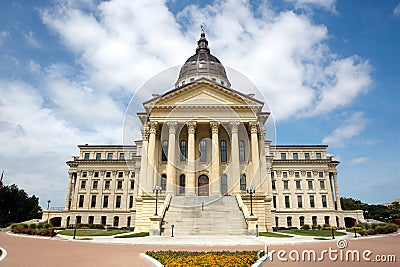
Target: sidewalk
<point x="202" y="240"/>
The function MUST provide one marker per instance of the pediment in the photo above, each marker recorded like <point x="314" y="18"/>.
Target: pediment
<point x="203" y="94"/>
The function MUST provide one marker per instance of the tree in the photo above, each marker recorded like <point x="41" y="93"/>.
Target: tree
<point x="16" y="205"/>
<point x="377" y="212"/>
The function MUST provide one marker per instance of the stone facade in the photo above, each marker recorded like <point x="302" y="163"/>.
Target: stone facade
<point x="202" y="138"/>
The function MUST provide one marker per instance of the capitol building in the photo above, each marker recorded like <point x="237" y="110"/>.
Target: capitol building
<point x="203" y="167"/>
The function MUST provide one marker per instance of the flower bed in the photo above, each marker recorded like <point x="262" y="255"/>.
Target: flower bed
<point x="204" y="259"/>
<point x="30" y="231"/>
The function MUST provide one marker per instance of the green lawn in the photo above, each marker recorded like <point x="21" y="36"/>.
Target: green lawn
<point x="325" y="233"/>
<point x="272" y="234"/>
<point x="92" y="232"/>
<point x="142" y="234"/>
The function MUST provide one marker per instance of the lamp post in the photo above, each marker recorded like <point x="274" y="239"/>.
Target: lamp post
<point x="157" y="189"/>
<point x="48" y="211"/>
<point x="251" y="190"/>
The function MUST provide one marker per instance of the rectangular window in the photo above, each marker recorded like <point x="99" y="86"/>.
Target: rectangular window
<point x="312" y="202"/>
<point x="284" y="174"/>
<point x="272" y="175"/>
<point x="120" y="174"/>
<point x="81" y="201"/>
<point x="183" y="151"/>
<point x="107" y="185"/>
<point x="93" y="204"/>
<point x="98" y="156"/>
<point x="322" y="184"/>
<point x="295" y="156"/>
<point x="223" y="151"/>
<point x="83" y="184"/>
<point x="109" y="156"/>
<point x="242" y="155"/>
<point x="203" y="151"/>
<point x="318" y="155"/>
<point x="119" y="185"/>
<point x="84" y="174"/>
<point x="324" y="203"/>
<point x="298" y="184"/>
<point x="133" y="155"/>
<point x="310" y="185"/>
<point x="164" y="150"/>
<point x="105" y="202"/>
<point x="132" y="184"/>
<point x="121" y="156"/>
<point x="242" y="182"/>
<point x="321" y="174"/>
<point x="299" y="201"/>
<point x="287" y="202"/>
<point x="283" y="156"/>
<point x="95" y="184"/>
<point x="96" y="174"/>
<point x="274" y="201"/>
<point x="108" y="174"/>
<point x="285" y="185"/>
<point x="130" y="202"/>
<point x="118" y="202"/>
<point x="307" y="156"/>
<point x="309" y="175"/>
<point x="133" y="174"/>
<point x="273" y="185"/>
<point x="86" y="156"/>
<point x="297" y="174"/>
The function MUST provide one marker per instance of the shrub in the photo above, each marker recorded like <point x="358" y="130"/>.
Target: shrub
<point x="371" y="232"/>
<point x="381" y="230"/>
<point x="33" y="226"/>
<point x="25" y="225"/>
<point x="305" y="227"/>
<point x="39" y="226"/>
<point x="392" y="228"/>
<point x="363" y="232"/>
<point x="47" y="226"/>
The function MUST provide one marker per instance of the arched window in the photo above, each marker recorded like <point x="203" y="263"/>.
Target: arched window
<point x="243" y="182"/>
<point x="182" y="184"/>
<point x="203" y="151"/>
<point x="223" y="151"/>
<point x="183" y="150"/>
<point x="242" y="156"/>
<point x="164" y="182"/>
<point x="224" y="184"/>
<point x="164" y="150"/>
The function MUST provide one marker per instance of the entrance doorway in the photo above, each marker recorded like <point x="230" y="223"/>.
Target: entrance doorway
<point x="203" y="185"/>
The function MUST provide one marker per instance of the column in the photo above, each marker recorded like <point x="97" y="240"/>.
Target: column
<point x="142" y="183"/>
<point x="338" y="205"/>
<point x="265" y="179"/>
<point x="215" y="181"/>
<point x="235" y="162"/>
<point x="171" y="171"/>
<point x="191" y="182"/>
<point x="69" y="189"/>
<point x="151" y="167"/>
<point x="255" y="156"/>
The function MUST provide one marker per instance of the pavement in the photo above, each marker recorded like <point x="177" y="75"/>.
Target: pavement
<point x="201" y="240"/>
<point x="108" y="251"/>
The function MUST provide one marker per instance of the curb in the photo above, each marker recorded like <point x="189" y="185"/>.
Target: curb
<point x="151" y="260"/>
<point x="4" y="254"/>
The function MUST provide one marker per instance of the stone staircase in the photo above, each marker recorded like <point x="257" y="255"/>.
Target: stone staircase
<point x="220" y="215"/>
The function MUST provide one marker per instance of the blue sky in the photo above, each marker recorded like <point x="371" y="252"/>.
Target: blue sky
<point x="328" y="69"/>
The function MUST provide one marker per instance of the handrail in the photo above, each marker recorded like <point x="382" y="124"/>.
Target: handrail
<point x="243" y="207"/>
<point x="165" y="205"/>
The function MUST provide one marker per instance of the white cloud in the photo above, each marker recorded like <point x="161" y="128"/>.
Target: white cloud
<point x="326" y="4"/>
<point x="120" y="44"/>
<point x="3" y="36"/>
<point x="396" y="10"/>
<point x="31" y="39"/>
<point x="359" y="160"/>
<point x="350" y="128"/>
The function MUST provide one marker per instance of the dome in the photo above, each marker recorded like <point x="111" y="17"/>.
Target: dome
<point x="202" y="65"/>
